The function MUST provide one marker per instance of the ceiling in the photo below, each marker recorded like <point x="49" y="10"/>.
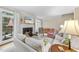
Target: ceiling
<point x="44" y="10"/>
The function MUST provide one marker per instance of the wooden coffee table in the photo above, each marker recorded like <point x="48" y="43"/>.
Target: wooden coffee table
<point x="54" y="48"/>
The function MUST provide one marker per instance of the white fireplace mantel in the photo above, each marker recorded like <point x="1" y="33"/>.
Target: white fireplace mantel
<point x="26" y="26"/>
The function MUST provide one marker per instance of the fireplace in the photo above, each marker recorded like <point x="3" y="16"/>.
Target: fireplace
<point x="29" y="31"/>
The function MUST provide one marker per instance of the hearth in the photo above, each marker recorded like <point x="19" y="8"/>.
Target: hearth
<point x="28" y="31"/>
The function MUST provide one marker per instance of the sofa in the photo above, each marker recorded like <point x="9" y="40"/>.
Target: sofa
<point x="30" y="44"/>
<point x="34" y="45"/>
<point x="18" y="42"/>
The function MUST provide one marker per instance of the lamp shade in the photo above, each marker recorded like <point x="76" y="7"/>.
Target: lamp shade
<point x="70" y="27"/>
<point x="10" y="23"/>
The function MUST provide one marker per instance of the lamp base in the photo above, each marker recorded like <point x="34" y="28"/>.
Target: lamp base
<point x="69" y="44"/>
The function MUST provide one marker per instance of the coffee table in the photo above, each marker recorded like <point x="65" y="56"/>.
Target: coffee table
<point x="54" y="48"/>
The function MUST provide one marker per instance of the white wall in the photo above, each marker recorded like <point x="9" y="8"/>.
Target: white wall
<point x="51" y="22"/>
<point x="76" y="14"/>
<point x="56" y="21"/>
<point x="20" y="26"/>
<point x="0" y="25"/>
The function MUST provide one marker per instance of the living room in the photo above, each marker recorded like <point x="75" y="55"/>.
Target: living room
<point x="37" y="29"/>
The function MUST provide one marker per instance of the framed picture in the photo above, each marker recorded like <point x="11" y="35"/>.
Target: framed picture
<point x="28" y="18"/>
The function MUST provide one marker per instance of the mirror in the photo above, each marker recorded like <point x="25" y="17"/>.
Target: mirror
<point x="7" y="25"/>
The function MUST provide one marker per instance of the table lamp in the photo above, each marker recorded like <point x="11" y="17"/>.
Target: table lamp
<point x="70" y="28"/>
<point x="10" y="24"/>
